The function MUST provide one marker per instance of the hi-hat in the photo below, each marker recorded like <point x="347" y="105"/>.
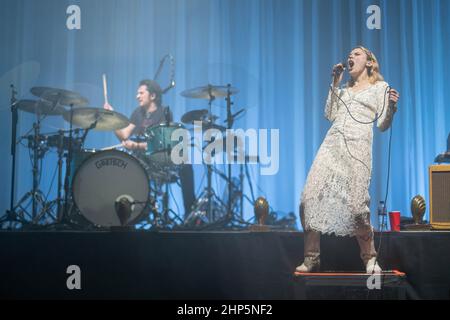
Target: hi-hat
<point x="61" y="96"/>
<point x="106" y="119"/>
<point x="208" y="92"/>
<point x="40" y="107"/>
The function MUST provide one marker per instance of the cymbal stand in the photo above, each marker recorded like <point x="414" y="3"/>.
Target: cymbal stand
<point x="231" y="216"/>
<point x="230" y="220"/>
<point x="37" y="196"/>
<point x="11" y="215"/>
<point x="46" y="206"/>
<point x="208" y="204"/>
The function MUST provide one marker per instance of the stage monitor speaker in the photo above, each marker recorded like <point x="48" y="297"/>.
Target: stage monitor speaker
<point x="439" y="176"/>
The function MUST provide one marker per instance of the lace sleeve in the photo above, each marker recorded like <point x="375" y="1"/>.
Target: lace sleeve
<point x="332" y="104"/>
<point x="385" y="114"/>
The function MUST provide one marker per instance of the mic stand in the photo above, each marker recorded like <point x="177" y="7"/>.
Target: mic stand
<point x="158" y="71"/>
<point x="92" y="126"/>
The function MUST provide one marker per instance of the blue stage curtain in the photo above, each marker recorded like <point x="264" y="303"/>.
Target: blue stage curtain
<point x="278" y="53"/>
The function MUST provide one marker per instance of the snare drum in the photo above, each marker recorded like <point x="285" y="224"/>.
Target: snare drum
<point x="106" y="177"/>
<point x="160" y="144"/>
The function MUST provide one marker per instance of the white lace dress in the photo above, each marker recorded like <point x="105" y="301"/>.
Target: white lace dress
<point x="336" y="198"/>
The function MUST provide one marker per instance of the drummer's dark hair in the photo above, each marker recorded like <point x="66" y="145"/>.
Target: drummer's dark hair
<point x="153" y="87"/>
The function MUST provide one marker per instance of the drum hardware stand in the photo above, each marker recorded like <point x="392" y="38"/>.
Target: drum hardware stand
<point x="63" y="219"/>
<point x="47" y="206"/>
<point x="161" y="219"/>
<point x="231" y="220"/>
<point x="164" y="217"/>
<point x="11" y="215"/>
<point x="37" y="196"/>
<point x="63" y="211"/>
<point x="241" y="194"/>
<point x="208" y="194"/>
<point x="60" y="165"/>
<point x="166" y="209"/>
<point x="156" y="224"/>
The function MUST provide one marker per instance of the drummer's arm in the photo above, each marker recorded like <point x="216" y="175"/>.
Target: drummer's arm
<point x="125" y="133"/>
<point x="133" y="145"/>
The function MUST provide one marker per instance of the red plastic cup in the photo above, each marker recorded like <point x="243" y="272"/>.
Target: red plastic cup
<point x="394" y="219"/>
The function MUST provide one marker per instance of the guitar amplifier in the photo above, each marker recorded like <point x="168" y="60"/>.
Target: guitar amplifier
<point x="439" y="176"/>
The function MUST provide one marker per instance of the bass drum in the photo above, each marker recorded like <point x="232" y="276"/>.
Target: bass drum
<point x="105" y="178"/>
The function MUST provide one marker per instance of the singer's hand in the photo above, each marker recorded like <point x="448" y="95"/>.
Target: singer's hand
<point x="394" y="96"/>
<point x="337" y="74"/>
<point x="107" y="106"/>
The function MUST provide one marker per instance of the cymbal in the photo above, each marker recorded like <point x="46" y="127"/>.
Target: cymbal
<point x="106" y="119"/>
<point x="63" y="97"/>
<point x="40" y="107"/>
<point x="206" y="92"/>
<point x="194" y="115"/>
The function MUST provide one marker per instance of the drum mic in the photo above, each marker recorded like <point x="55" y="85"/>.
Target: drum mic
<point x="124" y="205"/>
<point x="167" y="115"/>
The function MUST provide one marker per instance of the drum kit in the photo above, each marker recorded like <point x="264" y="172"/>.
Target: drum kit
<point x="110" y="188"/>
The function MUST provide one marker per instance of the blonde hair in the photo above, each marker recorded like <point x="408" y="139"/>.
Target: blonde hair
<point x="374" y="71"/>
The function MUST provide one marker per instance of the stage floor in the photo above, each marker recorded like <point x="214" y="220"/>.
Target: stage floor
<point x="202" y="265"/>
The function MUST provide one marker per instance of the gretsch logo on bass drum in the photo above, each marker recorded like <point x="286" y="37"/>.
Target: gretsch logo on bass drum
<point x="116" y="162"/>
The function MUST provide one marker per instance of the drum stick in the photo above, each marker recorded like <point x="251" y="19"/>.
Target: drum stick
<point x="112" y="147"/>
<point x="105" y="89"/>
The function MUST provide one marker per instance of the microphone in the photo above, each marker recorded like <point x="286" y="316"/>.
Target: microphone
<point x="171" y="85"/>
<point x="13" y="89"/>
<point x="167" y="115"/>
<point x="124" y="205"/>
<point x="339" y="69"/>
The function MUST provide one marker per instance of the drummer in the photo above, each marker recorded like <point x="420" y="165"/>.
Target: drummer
<point x="149" y="113"/>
